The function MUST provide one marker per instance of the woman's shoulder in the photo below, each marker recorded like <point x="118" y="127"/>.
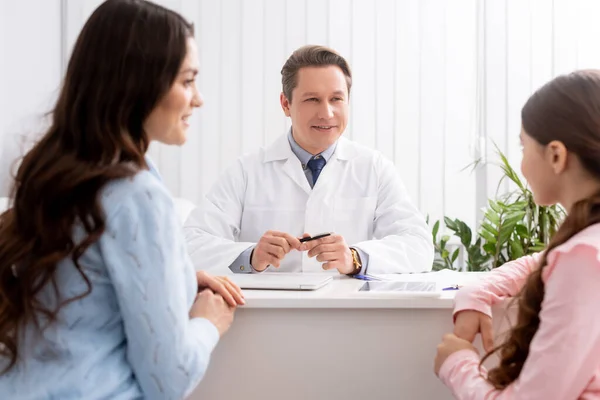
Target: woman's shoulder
<point x="137" y="191"/>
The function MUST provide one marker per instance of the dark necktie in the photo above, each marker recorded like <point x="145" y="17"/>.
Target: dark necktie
<point x="315" y="165"/>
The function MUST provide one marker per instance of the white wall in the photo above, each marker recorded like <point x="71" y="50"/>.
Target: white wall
<point x="434" y="80"/>
<point x="30" y="74"/>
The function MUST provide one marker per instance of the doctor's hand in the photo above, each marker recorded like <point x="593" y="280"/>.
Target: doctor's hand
<point x="272" y="248"/>
<point x="469" y="323"/>
<point x="332" y="251"/>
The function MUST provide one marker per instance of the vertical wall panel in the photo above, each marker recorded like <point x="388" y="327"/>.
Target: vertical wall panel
<point x="460" y="110"/>
<point x="589" y="32"/>
<point x="295" y="24"/>
<point x="407" y="90"/>
<point x="541" y="42"/>
<point x="433" y="106"/>
<point x="274" y="58"/>
<point x="209" y="83"/>
<point x="519" y="70"/>
<point x="494" y="92"/>
<point x="385" y="79"/>
<point x="363" y="65"/>
<point x="565" y="24"/>
<point x="317" y="22"/>
<point x="231" y="81"/>
<point x="252" y="75"/>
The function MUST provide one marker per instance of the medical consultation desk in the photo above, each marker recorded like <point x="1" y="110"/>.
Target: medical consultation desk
<point x="333" y="343"/>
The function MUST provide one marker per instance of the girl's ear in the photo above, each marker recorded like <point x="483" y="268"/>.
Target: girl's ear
<point x="556" y="155"/>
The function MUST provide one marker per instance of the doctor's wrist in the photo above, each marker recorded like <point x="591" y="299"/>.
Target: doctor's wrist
<point x="252" y="266"/>
<point x="356" y="262"/>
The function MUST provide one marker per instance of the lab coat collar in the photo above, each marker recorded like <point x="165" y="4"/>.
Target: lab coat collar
<point x="280" y="149"/>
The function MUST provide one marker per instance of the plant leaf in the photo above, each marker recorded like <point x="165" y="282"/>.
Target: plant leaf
<point x="436" y="228"/>
<point x="494" y="206"/>
<point x="450" y="224"/>
<point x="508" y="170"/>
<point x="513" y="219"/>
<point x="492" y="216"/>
<point x="489" y="228"/>
<point x="505" y="232"/>
<point x="438" y="266"/>
<point x="536" y="248"/>
<point x="516" y="249"/>
<point x="489" y="248"/>
<point x="455" y="255"/>
<point x="522" y="231"/>
<point x="488" y="237"/>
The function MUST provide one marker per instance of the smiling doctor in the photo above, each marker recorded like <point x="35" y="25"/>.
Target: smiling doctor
<point x="310" y="181"/>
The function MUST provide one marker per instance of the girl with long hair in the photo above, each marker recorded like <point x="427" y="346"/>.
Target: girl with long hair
<point x="553" y="350"/>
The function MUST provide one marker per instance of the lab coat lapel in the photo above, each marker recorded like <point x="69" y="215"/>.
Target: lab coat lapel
<point x="281" y="150"/>
<point x="334" y="167"/>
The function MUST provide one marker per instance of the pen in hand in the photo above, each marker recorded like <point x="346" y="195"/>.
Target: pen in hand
<point x="311" y="238"/>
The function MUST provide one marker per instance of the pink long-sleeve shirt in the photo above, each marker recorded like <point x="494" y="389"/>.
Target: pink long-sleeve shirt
<point x="564" y="356"/>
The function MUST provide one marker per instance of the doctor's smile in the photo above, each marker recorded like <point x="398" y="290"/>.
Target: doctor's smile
<point x="324" y="128"/>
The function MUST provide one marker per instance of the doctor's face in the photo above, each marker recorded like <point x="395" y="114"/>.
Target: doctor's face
<point x="318" y="108"/>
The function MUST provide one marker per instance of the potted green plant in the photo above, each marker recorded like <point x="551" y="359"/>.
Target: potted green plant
<point x="512" y="226"/>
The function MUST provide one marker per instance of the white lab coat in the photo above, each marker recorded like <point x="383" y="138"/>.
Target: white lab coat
<point x="358" y="195"/>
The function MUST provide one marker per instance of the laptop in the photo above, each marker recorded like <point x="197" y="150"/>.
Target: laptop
<point x="281" y="281"/>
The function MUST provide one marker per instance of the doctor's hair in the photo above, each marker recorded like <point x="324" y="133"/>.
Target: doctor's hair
<point x="311" y="56"/>
<point x="124" y="62"/>
<point x="567" y="109"/>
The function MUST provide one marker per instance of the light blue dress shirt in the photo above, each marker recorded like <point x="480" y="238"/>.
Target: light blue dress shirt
<point x="131" y="337"/>
<point x="304" y="156"/>
<point x="240" y="263"/>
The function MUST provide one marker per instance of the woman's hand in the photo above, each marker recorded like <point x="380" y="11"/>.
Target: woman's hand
<point x="213" y="307"/>
<point x="221" y="285"/>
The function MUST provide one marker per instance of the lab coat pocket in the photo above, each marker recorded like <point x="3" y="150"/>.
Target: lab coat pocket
<point x="354" y="218"/>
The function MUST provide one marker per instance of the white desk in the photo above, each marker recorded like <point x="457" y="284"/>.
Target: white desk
<point x="331" y="344"/>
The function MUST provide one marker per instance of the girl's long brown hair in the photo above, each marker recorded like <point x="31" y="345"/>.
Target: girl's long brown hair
<point x="566" y="109"/>
<point x="125" y="60"/>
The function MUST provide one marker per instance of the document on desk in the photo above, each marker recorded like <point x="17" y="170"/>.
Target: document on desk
<point x="398" y="288"/>
<point x="423" y="284"/>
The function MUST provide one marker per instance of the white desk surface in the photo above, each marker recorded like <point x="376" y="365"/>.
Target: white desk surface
<point x="343" y="293"/>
